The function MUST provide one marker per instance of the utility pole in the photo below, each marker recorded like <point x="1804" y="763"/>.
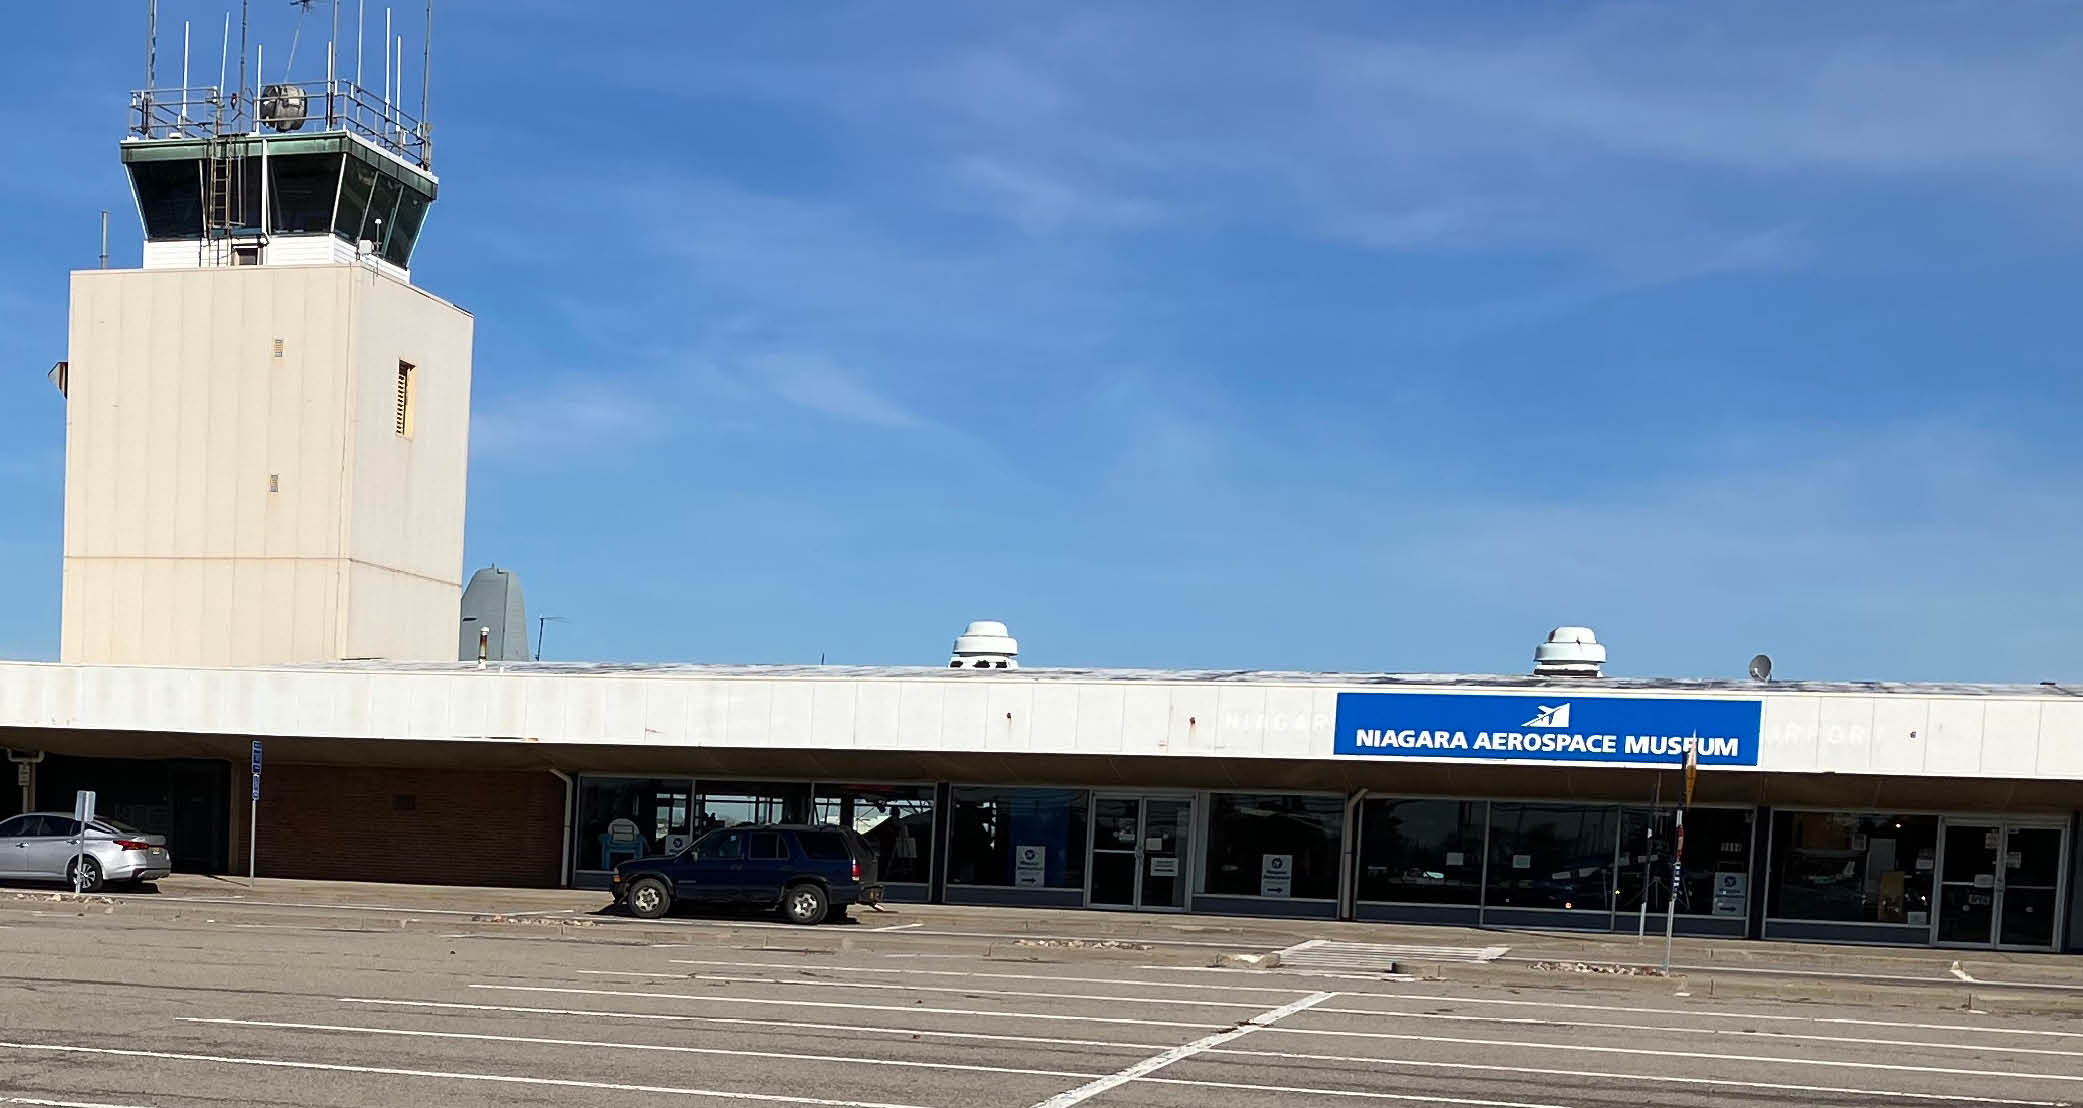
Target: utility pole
<point x="1692" y="773"/>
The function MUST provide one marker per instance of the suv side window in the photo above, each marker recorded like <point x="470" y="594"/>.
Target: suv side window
<point x="825" y="846"/>
<point x="723" y="846"/>
<point x="766" y="847"/>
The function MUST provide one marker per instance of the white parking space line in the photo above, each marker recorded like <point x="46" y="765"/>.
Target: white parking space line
<point x="1655" y="1078"/>
<point x="1528" y="1044"/>
<point x="61" y="1103"/>
<point x="1358" y="1094"/>
<point x="900" y="927"/>
<point x="1136" y="982"/>
<point x="827" y="983"/>
<point x="241" y="902"/>
<point x="843" y="1005"/>
<point x="1703" y="1013"/>
<point x="444" y="1075"/>
<point x="852" y="1060"/>
<point x="743" y="1021"/>
<point x="1530" y="1021"/>
<point x="1165" y="1058"/>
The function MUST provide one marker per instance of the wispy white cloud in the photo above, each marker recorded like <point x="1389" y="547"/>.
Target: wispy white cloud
<point x="822" y="386"/>
<point x="572" y="415"/>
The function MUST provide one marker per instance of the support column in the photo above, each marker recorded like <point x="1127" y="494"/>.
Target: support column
<point x="943" y="826"/>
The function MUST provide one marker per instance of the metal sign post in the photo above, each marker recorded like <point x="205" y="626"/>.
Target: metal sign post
<point x="83" y="814"/>
<point x="253" y="817"/>
<point x="1692" y="774"/>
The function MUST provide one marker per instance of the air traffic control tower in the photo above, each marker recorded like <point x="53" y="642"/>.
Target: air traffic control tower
<point x="267" y="423"/>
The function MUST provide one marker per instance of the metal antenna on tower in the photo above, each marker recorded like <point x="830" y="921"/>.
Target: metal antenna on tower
<point x="238" y="98"/>
<point x="296" y="35"/>
<point x="425" y="65"/>
<point x="151" y="46"/>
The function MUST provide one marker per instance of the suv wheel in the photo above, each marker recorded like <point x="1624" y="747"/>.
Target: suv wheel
<point x="804" y="903"/>
<point x="648" y="898"/>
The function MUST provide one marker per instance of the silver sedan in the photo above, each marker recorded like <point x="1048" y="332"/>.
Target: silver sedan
<point x="48" y="846"/>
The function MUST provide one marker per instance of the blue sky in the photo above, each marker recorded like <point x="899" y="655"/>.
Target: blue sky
<point x="1330" y="336"/>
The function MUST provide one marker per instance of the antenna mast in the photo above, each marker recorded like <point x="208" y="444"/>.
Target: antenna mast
<point x="239" y="97"/>
<point x="151" y="46"/>
<point x="426" y="62"/>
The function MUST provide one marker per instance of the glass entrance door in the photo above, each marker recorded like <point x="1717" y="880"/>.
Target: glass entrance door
<point x="1140" y="855"/>
<point x="2029" y="887"/>
<point x="1117" y="833"/>
<point x="2000" y="885"/>
<point x="1967" y="884"/>
<point x="1167" y="826"/>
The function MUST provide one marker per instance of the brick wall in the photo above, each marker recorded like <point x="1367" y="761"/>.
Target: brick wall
<point x="435" y="827"/>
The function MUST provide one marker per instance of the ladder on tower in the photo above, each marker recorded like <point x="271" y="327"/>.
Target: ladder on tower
<point x="224" y="203"/>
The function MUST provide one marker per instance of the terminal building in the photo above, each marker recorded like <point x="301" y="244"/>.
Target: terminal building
<point x="267" y="429"/>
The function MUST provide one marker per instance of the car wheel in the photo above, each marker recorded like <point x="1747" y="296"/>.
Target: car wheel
<point x="83" y="873"/>
<point x="805" y="904"/>
<point x="648" y="898"/>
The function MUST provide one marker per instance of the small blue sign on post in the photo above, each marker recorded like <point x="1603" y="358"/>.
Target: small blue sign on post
<point x="253" y="818"/>
<point x="1555" y="727"/>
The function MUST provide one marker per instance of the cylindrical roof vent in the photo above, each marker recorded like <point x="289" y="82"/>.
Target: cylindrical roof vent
<point x="1569" y="652"/>
<point x="985" y="644"/>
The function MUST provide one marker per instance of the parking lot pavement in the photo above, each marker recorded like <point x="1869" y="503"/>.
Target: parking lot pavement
<point x="106" y="1008"/>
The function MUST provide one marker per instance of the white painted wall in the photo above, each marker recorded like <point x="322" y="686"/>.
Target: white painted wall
<point x="229" y="505"/>
<point x="1998" y="735"/>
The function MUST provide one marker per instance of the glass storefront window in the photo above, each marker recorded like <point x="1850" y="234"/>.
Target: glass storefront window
<point x="1717" y="861"/>
<point x="731" y="803"/>
<point x="895" y="820"/>
<point x="1853" y="868"/>
<point x="1552" y="856"/>
<point x="622" y="818"/>
<point x="991" y="829"/>
<point x="1422" y="851"/>
<point x="1251" y="838"/>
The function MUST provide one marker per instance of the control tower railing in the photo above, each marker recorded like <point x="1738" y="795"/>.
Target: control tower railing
<point x="317" y="107"/>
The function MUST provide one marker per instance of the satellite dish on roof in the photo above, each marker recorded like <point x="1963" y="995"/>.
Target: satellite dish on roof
<point x="1761" y="668"/>
<point x="283" y="107"/>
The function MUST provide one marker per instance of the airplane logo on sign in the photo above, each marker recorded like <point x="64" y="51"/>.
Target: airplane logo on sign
<point x="1557" y="717"/>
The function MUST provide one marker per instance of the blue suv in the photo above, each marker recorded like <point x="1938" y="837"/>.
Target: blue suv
<point x="811" y="873"/>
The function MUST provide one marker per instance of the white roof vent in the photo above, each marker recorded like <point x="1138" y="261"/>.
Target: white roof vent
<point x="985" y="644"/>
<point x="1569" y="652"/>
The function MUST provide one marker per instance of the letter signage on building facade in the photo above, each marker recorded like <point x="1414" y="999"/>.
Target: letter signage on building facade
<point x="1556" y="727"/>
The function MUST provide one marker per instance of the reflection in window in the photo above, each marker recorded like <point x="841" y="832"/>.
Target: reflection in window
<point x="621" y="818"/>
<point x="1717" y="861"/>
<point x="732" y="803"/>
<point x="989" y="826"/>
<point x="301" y="190"/>
<point x="1552" y="856"/>
<point x="895" y="820"/>
<point x="1852" y="868"/>
<point x="169" y="198"/>
<point x="411" y="213"/>
<point x="1422" y="851"/>
<point x="1247" y="834"/>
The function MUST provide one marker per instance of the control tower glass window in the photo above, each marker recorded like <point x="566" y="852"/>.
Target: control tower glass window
<point x="302" y="188"/>
<point x="169" y="198"/>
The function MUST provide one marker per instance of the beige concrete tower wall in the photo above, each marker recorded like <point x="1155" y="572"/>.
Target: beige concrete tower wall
<point x="217" y="444"/>
<point x="406" y="497"/>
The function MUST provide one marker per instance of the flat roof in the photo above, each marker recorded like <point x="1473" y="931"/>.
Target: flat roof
<point x="1051" y="674"/>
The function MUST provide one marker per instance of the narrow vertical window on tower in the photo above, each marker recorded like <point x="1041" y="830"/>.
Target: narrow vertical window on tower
<point x="405" y="399"/>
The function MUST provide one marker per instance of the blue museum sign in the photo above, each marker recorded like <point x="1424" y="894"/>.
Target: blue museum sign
<point x="1557" y="727"/>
